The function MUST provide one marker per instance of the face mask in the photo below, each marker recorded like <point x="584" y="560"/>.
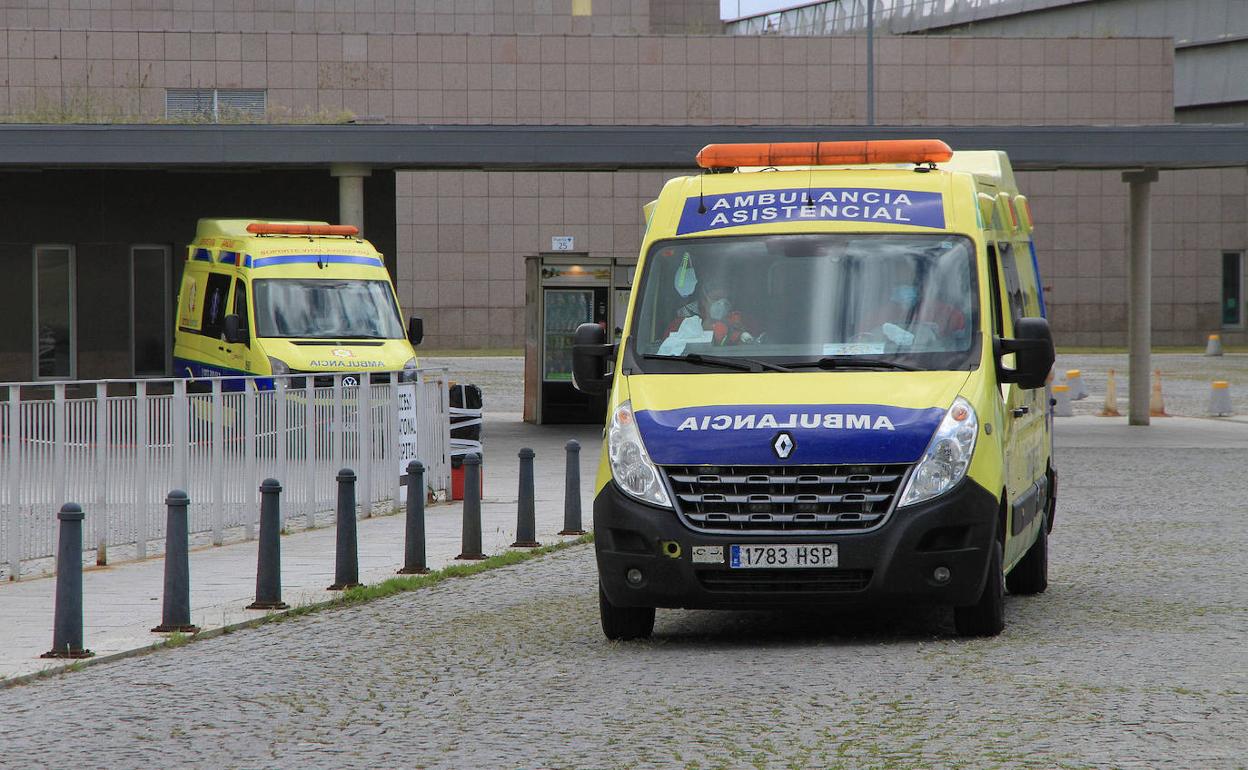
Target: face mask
<point x="719" y="309"/>
<point x="905" y="295"/>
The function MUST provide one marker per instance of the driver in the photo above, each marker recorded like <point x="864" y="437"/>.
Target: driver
<point x="907" y="308"/>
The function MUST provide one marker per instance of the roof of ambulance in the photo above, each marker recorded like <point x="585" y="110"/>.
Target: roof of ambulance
<point x="990" y="169"/>
<point x="236" y="230"/>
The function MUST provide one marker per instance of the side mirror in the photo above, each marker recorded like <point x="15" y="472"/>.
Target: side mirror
<point x="234" y="332"/>
<point x="415" y="330"/>
<point x="1032" y="347"/>
<point x="590" y="352"/>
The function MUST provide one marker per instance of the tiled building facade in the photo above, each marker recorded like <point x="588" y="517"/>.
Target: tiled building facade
<point x="462" y="236"/>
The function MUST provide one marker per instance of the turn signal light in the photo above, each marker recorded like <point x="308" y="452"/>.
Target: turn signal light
<point x="824" y="153"/>
<point x="274" y="228"/>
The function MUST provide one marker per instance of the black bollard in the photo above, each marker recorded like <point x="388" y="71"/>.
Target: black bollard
<point x="572" y="490"/>
<point x="269" y="559"/>
<point x="414" y="543"/>
<point x="526" y="523"/>
<point x="176" y="614"/>
<point x="67" y="625"/>
<point x="347" y="557"/>
<point x="471" y="539"/>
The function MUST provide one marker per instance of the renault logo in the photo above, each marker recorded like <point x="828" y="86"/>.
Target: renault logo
<point x="783" y="445"/>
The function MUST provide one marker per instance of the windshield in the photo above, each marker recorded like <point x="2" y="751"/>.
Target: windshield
<point x="831" y="300"/>
<point x="288" y="307"/>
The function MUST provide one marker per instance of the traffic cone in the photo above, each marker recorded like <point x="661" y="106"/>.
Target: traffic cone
<point x="1075" y="380"/>
<point x="1156" y="406"/>
<point x="1111" y="398"/>
<point x="1061" y="401"/>
<point x="1214" y="348"/>
<point x="1220" y="399"/>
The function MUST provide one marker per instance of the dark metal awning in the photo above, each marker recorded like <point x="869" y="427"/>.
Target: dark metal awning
<point x="172" y="147"/>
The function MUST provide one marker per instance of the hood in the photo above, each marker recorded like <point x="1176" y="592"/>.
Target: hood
<point x="340" y="355"/>
<point x="829" y="418"/>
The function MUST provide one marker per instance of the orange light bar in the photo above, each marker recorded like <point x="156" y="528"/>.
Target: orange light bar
<point x="269" y="228"/>
<point x="824" y="153"/>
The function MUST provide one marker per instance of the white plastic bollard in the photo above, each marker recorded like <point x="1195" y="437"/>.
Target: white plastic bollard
<point x="1061" y="395"/>
<point x="1220" y="399"/>
<point x="1214" y="348"/>
<point x="1075" y="380"/>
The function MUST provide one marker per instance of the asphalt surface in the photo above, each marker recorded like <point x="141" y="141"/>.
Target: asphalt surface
<point x="1136" y="657"/>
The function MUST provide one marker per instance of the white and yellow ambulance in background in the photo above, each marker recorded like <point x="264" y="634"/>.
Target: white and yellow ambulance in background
<point x="830" y="389"/>
<point x="288" y="297"/>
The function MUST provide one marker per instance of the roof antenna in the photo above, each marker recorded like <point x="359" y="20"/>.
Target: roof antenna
<point x="810" y="173"/>
<point x="701" y="202"/>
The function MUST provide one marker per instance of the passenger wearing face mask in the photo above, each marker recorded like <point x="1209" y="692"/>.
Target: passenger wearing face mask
<point x="718" y="315"/>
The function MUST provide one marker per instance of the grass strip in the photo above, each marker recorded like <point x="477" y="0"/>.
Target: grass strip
<point x="403" y="583"/>
<point x="350" y="597"/>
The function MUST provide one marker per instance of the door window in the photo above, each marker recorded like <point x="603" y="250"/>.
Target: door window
<point x="216" y="295"/>
<point x="240" y="309"/>
<point x="55" y="336"/>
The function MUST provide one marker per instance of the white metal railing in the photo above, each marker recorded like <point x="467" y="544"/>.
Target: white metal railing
<point x="118" y="446"/>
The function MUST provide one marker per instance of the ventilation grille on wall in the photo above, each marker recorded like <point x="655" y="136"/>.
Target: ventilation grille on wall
<point x="215" y="104"/>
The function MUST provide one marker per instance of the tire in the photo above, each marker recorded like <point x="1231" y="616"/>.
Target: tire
<point x="985" y="617"/>
<point x="1031" y="574"/>
<point x="624" y="623"/>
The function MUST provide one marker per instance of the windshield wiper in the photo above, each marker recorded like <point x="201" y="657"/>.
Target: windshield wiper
<point x="849" y="362"/>
<point x="741" y="364"/>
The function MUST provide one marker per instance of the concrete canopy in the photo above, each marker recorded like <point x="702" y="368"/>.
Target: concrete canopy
<point x="580" y="147"/>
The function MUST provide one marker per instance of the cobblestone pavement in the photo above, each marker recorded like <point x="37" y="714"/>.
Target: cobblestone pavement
<point x="1136" y="657"/>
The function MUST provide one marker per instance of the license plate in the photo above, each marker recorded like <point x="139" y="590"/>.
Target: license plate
<point x="782" y="556"/>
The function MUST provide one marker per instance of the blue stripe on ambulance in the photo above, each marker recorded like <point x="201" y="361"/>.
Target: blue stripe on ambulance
<point x="823" y="434"/>
<point x="327" y="259"/>
<point x="188" y="369"/>
<point x="1035" y="266"/>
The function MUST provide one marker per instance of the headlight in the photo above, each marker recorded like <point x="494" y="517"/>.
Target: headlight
<point x="409" y="370"/>
<point x="630" y="463"/>
<point x="278" y="365"/>
<point x="947" y="457"/>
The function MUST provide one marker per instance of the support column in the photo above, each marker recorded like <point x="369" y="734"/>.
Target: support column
<point x="350" y="193"/>
<point x="1139" y="293"/>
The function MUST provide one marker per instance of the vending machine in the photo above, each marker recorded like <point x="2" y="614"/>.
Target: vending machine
<point x="563" y="291"/>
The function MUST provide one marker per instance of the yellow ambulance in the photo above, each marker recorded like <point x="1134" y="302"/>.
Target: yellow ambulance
<point x="287" y="297"/>
<point x="830" y="391"/>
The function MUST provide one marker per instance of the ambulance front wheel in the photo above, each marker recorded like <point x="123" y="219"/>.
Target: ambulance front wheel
<point x="985" y="617"/>
<point x="624" y="623"/>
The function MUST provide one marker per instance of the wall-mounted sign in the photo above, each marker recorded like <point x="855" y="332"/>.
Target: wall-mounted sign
<point x="561" y="243"/>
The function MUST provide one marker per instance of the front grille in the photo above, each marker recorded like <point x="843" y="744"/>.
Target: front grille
<point x="785" y="580"/>
<point x="785" y="499"/>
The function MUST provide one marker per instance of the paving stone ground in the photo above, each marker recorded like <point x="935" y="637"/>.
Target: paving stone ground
<point x="1137" y="657"/>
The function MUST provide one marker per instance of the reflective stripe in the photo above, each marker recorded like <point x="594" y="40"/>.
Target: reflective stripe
<point x="328" y="259"/>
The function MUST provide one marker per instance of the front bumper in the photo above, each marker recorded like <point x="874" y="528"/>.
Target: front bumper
<point x="892" y="564"/>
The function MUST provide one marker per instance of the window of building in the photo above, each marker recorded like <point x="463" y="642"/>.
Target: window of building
<point x="149" y="309"/>
<point x="215" y="104"/>
<point x="1232" y="288"/>
<point x="56" y="338"/>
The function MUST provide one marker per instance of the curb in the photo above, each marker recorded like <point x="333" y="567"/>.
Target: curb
<point x="345" y="599"/>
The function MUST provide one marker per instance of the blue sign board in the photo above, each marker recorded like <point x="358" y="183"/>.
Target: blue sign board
<point x="827" y="204"/>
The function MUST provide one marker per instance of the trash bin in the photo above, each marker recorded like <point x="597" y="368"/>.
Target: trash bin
<point x="465" y="403"/>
